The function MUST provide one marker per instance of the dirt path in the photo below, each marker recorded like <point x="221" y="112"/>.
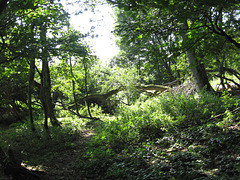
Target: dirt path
<point x="64" y="165"/>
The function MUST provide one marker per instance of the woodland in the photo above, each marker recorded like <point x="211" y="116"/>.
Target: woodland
<point x="166" y="107"/>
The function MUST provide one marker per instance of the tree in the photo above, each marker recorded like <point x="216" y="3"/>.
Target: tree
<point x="197" y="67"/>
<point x="29" y="32"/>
<point x="168" y="20"/>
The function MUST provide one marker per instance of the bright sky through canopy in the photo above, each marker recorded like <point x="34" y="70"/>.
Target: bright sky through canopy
<point x="103" y="22"/>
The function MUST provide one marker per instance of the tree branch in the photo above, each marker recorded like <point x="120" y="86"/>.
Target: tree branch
<point x="220" y="115"/>
<point x="232" y="71"/>
<point x="227" y="79"/>
<point x="77" y="114"/>
<point x="217" y="30"/>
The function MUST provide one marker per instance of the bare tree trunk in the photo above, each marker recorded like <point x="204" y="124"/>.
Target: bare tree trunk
<point x="46" y="83"/>
<point x="197" y="68"/>
<point x="221" y="73"/>
<point x="30" y="88"/>
<point x="30" y="85"/>
<point x="73" y="87"/>
<point x="74" y="96"/>
<point x="86" y="89"/>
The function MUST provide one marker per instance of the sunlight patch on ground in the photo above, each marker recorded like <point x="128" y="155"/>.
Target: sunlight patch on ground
<point x="33" y="168"/>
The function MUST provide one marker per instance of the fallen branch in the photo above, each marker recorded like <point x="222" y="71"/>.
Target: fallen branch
<point x="80" y="116"/>
<point x="173" y="82"/>
<point x="98" y="98"/>
<point x="220" y="115"/>
<point x="150" y="93"/>
<point x="153" y="87"/>
<point x="101" y="98"/>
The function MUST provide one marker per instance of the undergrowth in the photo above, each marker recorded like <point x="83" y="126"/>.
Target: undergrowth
<point x="167" y="137"/>
<point x="170" y="137"/>
<point x="39" y="147"/>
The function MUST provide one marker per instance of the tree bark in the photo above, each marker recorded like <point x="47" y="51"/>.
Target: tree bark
<point x="221" y="72"/>
<point x="86" y="89"/>
<point x="46" y="83"/>
<point x="30" y="87"/>
<point x="73" y="86"/>
<point x="197" y="68"/>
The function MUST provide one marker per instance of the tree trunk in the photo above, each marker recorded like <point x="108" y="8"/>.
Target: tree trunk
<point x="221" y="73"/>
<point x="74" y="96"/>
<point x="168" y="70"/>
<point x="30" y="85"/>
<point x="197" y="68"/>
<point x="86" y="89"/>
<point x="30" y="88"/>
<point x="73" y="86"/>
<point x="46" y="83"/>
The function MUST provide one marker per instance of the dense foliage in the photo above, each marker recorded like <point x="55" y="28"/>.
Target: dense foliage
<point x="166" y="107"/>
<point x="158" y="37"/>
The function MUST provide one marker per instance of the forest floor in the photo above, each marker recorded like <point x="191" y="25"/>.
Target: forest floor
<point x="199" y="139"/>
<point x="62" y="163"/>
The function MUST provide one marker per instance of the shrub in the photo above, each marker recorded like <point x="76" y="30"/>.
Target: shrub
<point x="156" y="116"/>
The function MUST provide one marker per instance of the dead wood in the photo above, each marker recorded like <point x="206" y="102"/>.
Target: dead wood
<point x="101" y="98"/>
<point x="153" y="87"/>
<point x="77" y="114"/>
<point x="220" y="115"/>
<point x="175" y="82"/>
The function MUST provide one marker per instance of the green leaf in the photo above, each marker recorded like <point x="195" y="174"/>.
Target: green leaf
<point x="140" y="36"/>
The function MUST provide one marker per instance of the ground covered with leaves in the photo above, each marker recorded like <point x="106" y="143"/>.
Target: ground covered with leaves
<point x="174" y="136"/>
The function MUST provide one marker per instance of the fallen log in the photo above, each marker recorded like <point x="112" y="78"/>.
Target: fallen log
<point x="101" y="98"/>
<point x="175" y="82"/>
<point x="153" y="87"/>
